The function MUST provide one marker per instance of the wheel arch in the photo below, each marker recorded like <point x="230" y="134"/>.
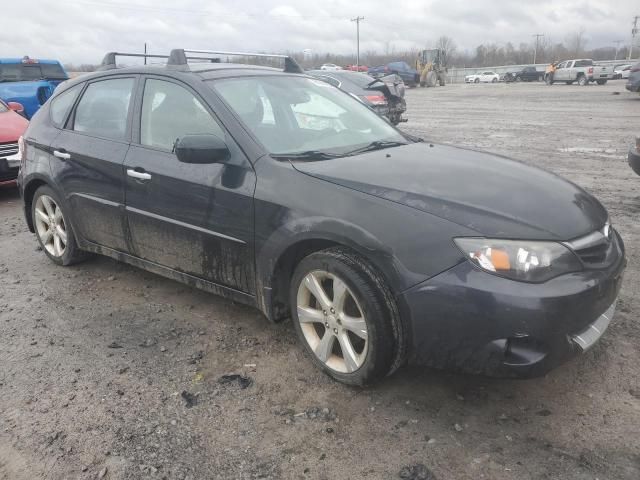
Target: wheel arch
<point x="29" y="192"/>
<point x="281" y="253"/>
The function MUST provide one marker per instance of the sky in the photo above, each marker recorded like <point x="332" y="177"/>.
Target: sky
<point x="82" y="31"/>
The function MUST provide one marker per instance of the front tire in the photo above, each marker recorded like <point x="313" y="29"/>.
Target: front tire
<point x="53" y="231"/>
<point x="346" y="317"/>
<point x="477" y="80"/>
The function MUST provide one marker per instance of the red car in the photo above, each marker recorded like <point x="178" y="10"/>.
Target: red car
<point x="12" y="126"/>
<point x="357" y="68"/>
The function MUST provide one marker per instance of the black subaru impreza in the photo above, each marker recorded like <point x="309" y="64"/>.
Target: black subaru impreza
<point x="280" y="191"/>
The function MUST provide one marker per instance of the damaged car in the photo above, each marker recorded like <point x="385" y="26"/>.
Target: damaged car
<point x="385" y="95"/>
<point x="274" y="189"/>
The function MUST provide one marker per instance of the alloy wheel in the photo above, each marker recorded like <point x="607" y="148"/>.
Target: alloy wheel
<point x="50" y="226"/>
<point x="332" y="322"/>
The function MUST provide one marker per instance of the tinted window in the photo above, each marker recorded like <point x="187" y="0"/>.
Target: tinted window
<point x="169" y="112"/>
<point x="61" y="105"/>
<point x="104" y="107"/>
<point x="31" y="71"/>
<point x="583" y="63"/>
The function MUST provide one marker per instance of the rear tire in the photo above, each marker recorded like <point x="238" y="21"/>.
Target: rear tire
<point x="495" y="80"/>
<point x="601" y="82"/>
<point x="335" y="293"/>
<point x="53" y="230"/>
<point x="582" y="80"/>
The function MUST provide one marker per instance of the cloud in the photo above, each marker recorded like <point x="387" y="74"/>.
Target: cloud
<point x="82" y="31"/>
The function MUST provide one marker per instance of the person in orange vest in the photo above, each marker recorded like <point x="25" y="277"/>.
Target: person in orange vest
<point x="549" y="72"/>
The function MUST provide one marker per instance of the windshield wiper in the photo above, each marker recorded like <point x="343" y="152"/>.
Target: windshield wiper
<point x="376" y="145"/>
<point x="307" y="155"/>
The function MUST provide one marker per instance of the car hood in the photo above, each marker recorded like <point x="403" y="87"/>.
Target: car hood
<point x="490" y="194"/>
<point x="12" y="126"/>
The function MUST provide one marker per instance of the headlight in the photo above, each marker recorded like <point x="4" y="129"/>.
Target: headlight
<point x="527" y="261"/>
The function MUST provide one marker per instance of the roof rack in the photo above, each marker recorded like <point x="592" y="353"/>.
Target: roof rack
<point x="109" y="60"/>
<point x="179" y="57"/>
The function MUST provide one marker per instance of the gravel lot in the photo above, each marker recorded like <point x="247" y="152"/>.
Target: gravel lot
<point x="110" y="372"/>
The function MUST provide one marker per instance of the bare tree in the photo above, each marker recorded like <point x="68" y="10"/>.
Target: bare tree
<point x="447" y="44"/>
<point x="576" y="42"/>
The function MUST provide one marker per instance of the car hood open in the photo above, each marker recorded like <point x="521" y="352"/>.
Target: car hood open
<point x="492" y="195"/>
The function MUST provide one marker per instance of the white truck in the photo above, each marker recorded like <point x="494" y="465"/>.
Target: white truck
<point x="582" y="71"/>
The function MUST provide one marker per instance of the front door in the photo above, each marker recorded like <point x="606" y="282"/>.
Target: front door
<point x="196" y="219"/>
<point x="87" y="159"/>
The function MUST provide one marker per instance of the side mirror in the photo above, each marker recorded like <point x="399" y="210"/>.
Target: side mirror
<point x="201" y="149"/>
<point x="16" y="107"/>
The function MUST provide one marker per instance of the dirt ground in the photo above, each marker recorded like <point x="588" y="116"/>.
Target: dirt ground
<point x="110" y="372"/>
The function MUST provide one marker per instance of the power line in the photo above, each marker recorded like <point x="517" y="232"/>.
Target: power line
<point x="357" y="20"/>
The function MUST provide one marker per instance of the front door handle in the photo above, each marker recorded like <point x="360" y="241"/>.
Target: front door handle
<point x="138" y="175"/>
<point x="61" y="154"/>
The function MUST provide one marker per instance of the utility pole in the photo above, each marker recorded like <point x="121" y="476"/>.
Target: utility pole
<point x="634" y="32"/>
<point x="535" y="52"/>
<point x="357" y="20"/>
<point x="617" y="42"/>
<point x="145" y="53"/>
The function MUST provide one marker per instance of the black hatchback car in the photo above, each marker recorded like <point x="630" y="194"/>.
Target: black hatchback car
<point x="280" y="191"/>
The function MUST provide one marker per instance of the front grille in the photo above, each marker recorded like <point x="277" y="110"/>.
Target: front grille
<point x="597" y="249"/>
<point x="8" y="149"/>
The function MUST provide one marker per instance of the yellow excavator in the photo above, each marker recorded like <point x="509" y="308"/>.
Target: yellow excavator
<point x="432" y="67"/>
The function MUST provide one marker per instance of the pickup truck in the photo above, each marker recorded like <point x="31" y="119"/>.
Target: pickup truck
<point x="29" y="81"/>
<point x="582" y="71"/>
<point x="527" y="74"/>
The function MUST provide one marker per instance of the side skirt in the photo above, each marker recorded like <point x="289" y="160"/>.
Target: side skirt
<point x="221" y="290"/>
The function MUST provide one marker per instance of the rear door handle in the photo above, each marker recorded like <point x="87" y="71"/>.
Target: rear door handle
<point x="138" y="175"/>
<point x="61" y="154"/>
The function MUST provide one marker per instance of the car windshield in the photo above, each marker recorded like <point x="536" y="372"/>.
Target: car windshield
<point x="305" y="118"/>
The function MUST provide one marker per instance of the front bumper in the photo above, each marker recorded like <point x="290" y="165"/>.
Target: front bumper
<point x="9" y="167"/>
<point x="469" y="320"/>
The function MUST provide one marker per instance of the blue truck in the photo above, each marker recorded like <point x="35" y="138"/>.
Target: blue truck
<point x="29" y="81"/>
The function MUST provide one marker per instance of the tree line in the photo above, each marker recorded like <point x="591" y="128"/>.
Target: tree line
<point x="575" y="45"/>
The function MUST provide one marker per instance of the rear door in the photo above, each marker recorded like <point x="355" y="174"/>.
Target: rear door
<point x="88" y="156"/>
<point x="196" y="219"/>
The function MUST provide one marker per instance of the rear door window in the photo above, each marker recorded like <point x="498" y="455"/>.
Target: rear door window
<point x="103" y="110"/>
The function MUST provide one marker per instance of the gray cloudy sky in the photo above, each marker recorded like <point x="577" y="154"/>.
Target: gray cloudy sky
<point x="81" y="31"/>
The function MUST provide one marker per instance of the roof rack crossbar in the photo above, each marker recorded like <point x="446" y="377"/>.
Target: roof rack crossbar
<point x="179" y="57"/>
<point x="109" y="60"/>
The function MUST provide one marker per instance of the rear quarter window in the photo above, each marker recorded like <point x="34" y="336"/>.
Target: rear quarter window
<point x="61" y="105"/>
